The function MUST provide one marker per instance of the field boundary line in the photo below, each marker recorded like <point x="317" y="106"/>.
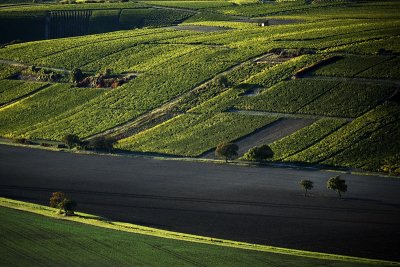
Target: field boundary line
<point x="133" y="228"/>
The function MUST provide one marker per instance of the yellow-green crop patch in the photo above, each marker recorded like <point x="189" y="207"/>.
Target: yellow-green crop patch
<point x="42" y="106"/>
<point x="377" y="130"/>
<point x="11" y="89"/>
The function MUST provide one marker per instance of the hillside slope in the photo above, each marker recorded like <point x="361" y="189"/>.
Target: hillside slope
<point x="339" y="63"/>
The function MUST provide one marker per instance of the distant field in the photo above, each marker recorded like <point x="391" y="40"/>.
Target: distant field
<point x="36" y="240"/>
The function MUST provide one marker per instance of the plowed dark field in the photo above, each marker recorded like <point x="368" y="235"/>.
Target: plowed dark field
<point x="259" y="205"/>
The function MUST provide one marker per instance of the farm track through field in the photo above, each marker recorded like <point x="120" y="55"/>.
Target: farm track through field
<point x="358" y="79"/>
<point x="5" y="105"/>
<point x="23" y="65"/>
<point x="128" y="128"/>
<point x="286" y="115"/>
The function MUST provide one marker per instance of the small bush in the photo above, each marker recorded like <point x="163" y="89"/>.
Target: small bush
<point x="45" y="144"/>
<point x="71" y="140"/>
<point x="20" y="141"/>
<point x="103" y="143"/>
<point x="259" y="153"/>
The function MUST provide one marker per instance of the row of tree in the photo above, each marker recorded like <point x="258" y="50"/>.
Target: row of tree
<point x="98" y="143"/>
<point x="230" y="151"/>
<point x="335" y="183"/>
<point x="264" y="152"/>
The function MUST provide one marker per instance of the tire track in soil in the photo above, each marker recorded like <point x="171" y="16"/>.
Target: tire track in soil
<point x="202" y="200"/>
<point x="175" y="254"/>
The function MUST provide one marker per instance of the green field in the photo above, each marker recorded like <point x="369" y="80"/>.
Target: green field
<point x="38" y="236"/>
<point x="329" y="60"/>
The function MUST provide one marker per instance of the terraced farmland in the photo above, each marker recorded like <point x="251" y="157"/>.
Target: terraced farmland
<point x="190" y="80"/>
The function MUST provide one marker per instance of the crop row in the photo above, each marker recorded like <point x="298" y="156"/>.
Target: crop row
<point x="333" y="42"/>
<point x="329" y="97"/>
<point x="48" y="7"/>
<point x="373" y="152"/>
<point x="215" y="97"/>
<point x="140" y="58"/>
<point x="305" y="137"/>
<point x="349" y="99"/>
<point x="389" y="70"/>
<point x="389" y="43"/>
<point x="151" y="17"/>
<point x="31" y="51"/>
<point x="40" y="107"/>
<point x="180" y="136"/>
<point x="375" y="10"/>
<point x="144" y="93"/>
<point x="350" y="65"/>
<point x="287" y="97"/>
<point x="261" y="77"/>
<point x="10" y="90"/>
<point x="257" y="10"/>
<point x="6" y="71"/>
<point x="358" y="130"/>
<point x="83" y="55"/>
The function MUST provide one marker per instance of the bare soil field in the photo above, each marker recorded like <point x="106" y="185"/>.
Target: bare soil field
<point x="254" y="204"/>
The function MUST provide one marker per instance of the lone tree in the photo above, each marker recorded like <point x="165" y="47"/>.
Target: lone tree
<point x="56" y="198"/>
<point x="337" y="184"/>
<point x="103" y="143"/>
<point x="307" y="185"/>
<point x="71" y="140"/>
<point x="63" y="203"/>
<point x="227" y="150"/>
<point x="259" y="153"/>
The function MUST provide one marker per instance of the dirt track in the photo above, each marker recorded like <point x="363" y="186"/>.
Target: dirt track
<point x="260" y="205"/>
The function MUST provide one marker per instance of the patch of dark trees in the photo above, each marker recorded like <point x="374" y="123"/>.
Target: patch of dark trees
<point x="104" y="79"/>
